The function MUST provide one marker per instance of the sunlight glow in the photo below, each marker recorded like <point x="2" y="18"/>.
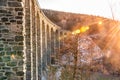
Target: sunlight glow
<point x="77" y="31"/>
<point x="100" y="22"/>
<point x="13" y="56"/>
<point x="81" y="30"/>
<point x="84" y="28"/>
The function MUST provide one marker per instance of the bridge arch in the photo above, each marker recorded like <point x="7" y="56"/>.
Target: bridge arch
<point x="46" y="41"/>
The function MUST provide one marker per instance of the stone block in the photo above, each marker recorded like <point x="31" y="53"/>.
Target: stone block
<point x="2" y="64"/>
<point x="5" y="31"/>
<point x="18" y="9"/>
<point x="12" y="64"/>
<point x="18" y="17"/>
<point x="9" y="73"/>
<point x="18" y="48"/>
<point x="1" y="45"/>
<point x="1" y="49"/>
<point x="2" y="39"/>
<point x="9" y="40"/>
<point x="3" y="77"/>
<point x="6" y="68"/>
<point x="14" y="4"/>
<point x="18" y="38"/>
<point x="20" y="63"/>
<point x="9" y="14"/>
<point x="20" y="43"/>
<point x="13" y="78"/>
<point x="15" y="69"/>
<point x="11" y="52"/>
<point x="8" y="23"/>
<point x="3" y="11"/>
<point x="1" y="74"/>
<point x="6" y="58"/>
<point x="2" y="53"/>
<point x="19" y="22"/>
<point x="19" y="53"/>
<point x="4" y="19"/>
<point x="0" y="35"/>
<point x="1" y="59"/>
<point x="20" y="73"/>
<point x="19" y="0"/>
<point x="8" y="49"/>
<point x="20" y="13"/>
<point x="12" y="21"/>
<point x="3" y="2"/>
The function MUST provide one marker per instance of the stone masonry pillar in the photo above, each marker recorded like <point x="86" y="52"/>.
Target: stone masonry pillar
<point x="11" y="40"/>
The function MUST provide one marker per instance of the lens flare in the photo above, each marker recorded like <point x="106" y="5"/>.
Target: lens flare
<point x="84" y="29"/>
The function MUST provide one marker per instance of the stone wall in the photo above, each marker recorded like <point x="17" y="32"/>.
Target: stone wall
<point x="11" y="40"/>
<point x="27" y="40"/>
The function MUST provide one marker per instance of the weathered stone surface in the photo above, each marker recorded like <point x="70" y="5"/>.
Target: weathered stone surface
<point x="12" y="64"/>
<point x="2" y="53"/>
<point x="18" y="48"/>
<point x="20" y="13"/>
<point x="1" y="74"/>
<point x="20" y="43"/>
<point x="14" y="4"/>
<point x="9" y="14"/>
<point x="3" y="11"/>
<point x="8" y="49"/>
<point x="20" y="63"/>
<point x="18" y="17"/>
<point x="9" y="40"/>
<point x="12" y="20"/>
<point x="19" y="53"/>
<point x="2" y="39"/>
<point x="8" y="23"/>
<point x="9" y="73"/>
<point x="19" y="22"/>
<point x="6" y="58"/>
<point x="2" y="27"/>
<point x="18" y="38"/>
<point x="1" y="59"/>
<point x="2" y="64"/>
<point x="3" y="2"/>
<point x="13" y="38"/>
<point x="6" y="68"/>
<point x="18" y="9"/>
<point x="1" y="49"/>
<point x="20" y="73"/>
<point x="5" y="31"/>
<point x="15" y="69"/>
<point x="0" y="35"/>
<point x="3" y="77"/>
<point x="10" y="52"/>
<point x="19" y="0"/>
<point x="4" y="19"/>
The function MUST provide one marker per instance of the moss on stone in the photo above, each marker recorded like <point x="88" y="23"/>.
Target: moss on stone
<point x="12" y="64"/>
<point x="6" y="58"/>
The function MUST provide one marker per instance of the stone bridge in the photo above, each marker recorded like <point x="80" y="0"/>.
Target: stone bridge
<point x="27" y="40"/>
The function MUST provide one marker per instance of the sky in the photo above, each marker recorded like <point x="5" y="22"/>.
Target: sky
<point x="103" y="8"/>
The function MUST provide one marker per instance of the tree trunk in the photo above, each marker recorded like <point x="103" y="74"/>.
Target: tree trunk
<point x="75" y="67"/>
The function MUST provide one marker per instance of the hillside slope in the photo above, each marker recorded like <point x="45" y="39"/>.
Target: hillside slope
<point x="71" y="21"/>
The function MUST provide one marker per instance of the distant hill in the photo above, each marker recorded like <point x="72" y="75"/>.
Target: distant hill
<point x="100" y="33"/>
<point x="72" y="21"/>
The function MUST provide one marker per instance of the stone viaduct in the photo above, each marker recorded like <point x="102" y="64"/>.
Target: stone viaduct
<point x="27" y="40"/>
